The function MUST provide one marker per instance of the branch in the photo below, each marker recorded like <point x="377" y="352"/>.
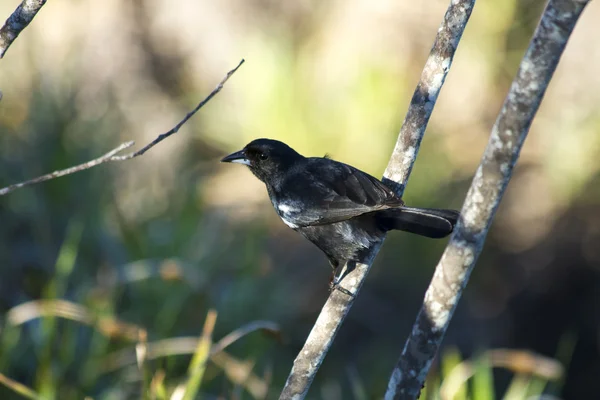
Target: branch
<point x="490" y="181"/>
<point x="56" y="174"/>
<point x="112" y="155"/>
<point x="396" y="175"/>
<point x="18" y="21"/>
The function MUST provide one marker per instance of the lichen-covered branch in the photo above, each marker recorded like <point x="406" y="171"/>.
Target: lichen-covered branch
<point x="433" y="76"/>
<point x="490" y="181"/>
<point x="18" y="21"/>
<point x="396" y="175"/>
<point x="113" y="154"/>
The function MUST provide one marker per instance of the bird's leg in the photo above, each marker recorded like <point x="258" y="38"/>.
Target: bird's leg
<point x="334" y="265"/>
<point x="335" y="277"/>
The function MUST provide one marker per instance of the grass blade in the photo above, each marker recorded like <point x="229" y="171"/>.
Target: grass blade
<point x="198" y="364"/>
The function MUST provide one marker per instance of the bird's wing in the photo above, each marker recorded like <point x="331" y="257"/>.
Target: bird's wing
<point x="327" y="191"/>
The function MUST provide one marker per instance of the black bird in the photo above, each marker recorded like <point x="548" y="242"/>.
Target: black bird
<point x="339" y="208"/>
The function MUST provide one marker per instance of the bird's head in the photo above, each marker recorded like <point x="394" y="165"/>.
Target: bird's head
<point x="267" y="159"/>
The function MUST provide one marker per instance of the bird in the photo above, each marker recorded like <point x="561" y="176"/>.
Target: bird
<point x="340" y="209"/>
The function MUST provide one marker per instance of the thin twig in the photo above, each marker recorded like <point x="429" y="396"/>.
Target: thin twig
<point x="189" y="115"/>
<point x="112" y="155"/>
<point x="490" y="181"/>
<point x="396" y="175"/>
<point x="18" y="21"/>
<point x="56" y="174"/>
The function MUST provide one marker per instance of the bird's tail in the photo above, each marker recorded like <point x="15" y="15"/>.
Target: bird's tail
<point x="430" y="222"/>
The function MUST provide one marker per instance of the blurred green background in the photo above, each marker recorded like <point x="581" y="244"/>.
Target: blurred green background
<point x="151" y="245"/>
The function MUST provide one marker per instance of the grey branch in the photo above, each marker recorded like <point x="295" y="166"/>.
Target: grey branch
<point x="490" y="181"/>
<point x="396" y="175"/>
<point x="113" y="154"/>
<point x="433" y="76"/>
<point x="18" y="21"/>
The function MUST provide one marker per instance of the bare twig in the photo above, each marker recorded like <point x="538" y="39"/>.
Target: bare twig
<point x="189" y="115"/>
<point x="490" y="181"/>
<point x="396" y="175"/>
<point x="18" y="21"/>
<point x="112" y="155"/>
<point x="56" y="174"/>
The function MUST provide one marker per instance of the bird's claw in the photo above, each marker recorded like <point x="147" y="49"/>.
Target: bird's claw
<point x="334" y="284"/>
<point x="341" y="289"/>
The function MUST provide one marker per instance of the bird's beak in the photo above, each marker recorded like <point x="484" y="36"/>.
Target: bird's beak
<point x="237" y="157"/>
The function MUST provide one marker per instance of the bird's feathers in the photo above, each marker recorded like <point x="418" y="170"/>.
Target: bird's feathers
<point x="429" y="222"/>
<point x="332" y="191"/>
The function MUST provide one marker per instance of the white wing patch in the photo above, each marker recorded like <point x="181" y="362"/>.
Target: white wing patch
<point x="287" y="208"/>
<point x="288" y="223"/>
<point x="286" y="212"/>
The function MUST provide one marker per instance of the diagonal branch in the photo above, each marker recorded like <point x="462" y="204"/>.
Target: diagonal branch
<point x="396" y="175"/>
<point x="490" y="181"/>
<point x="112" y="155"/>
<point x="18" y="21"/>
<point x="175" y="129"/>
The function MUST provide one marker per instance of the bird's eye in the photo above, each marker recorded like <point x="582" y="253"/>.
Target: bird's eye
<point x="263" y="156"/>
